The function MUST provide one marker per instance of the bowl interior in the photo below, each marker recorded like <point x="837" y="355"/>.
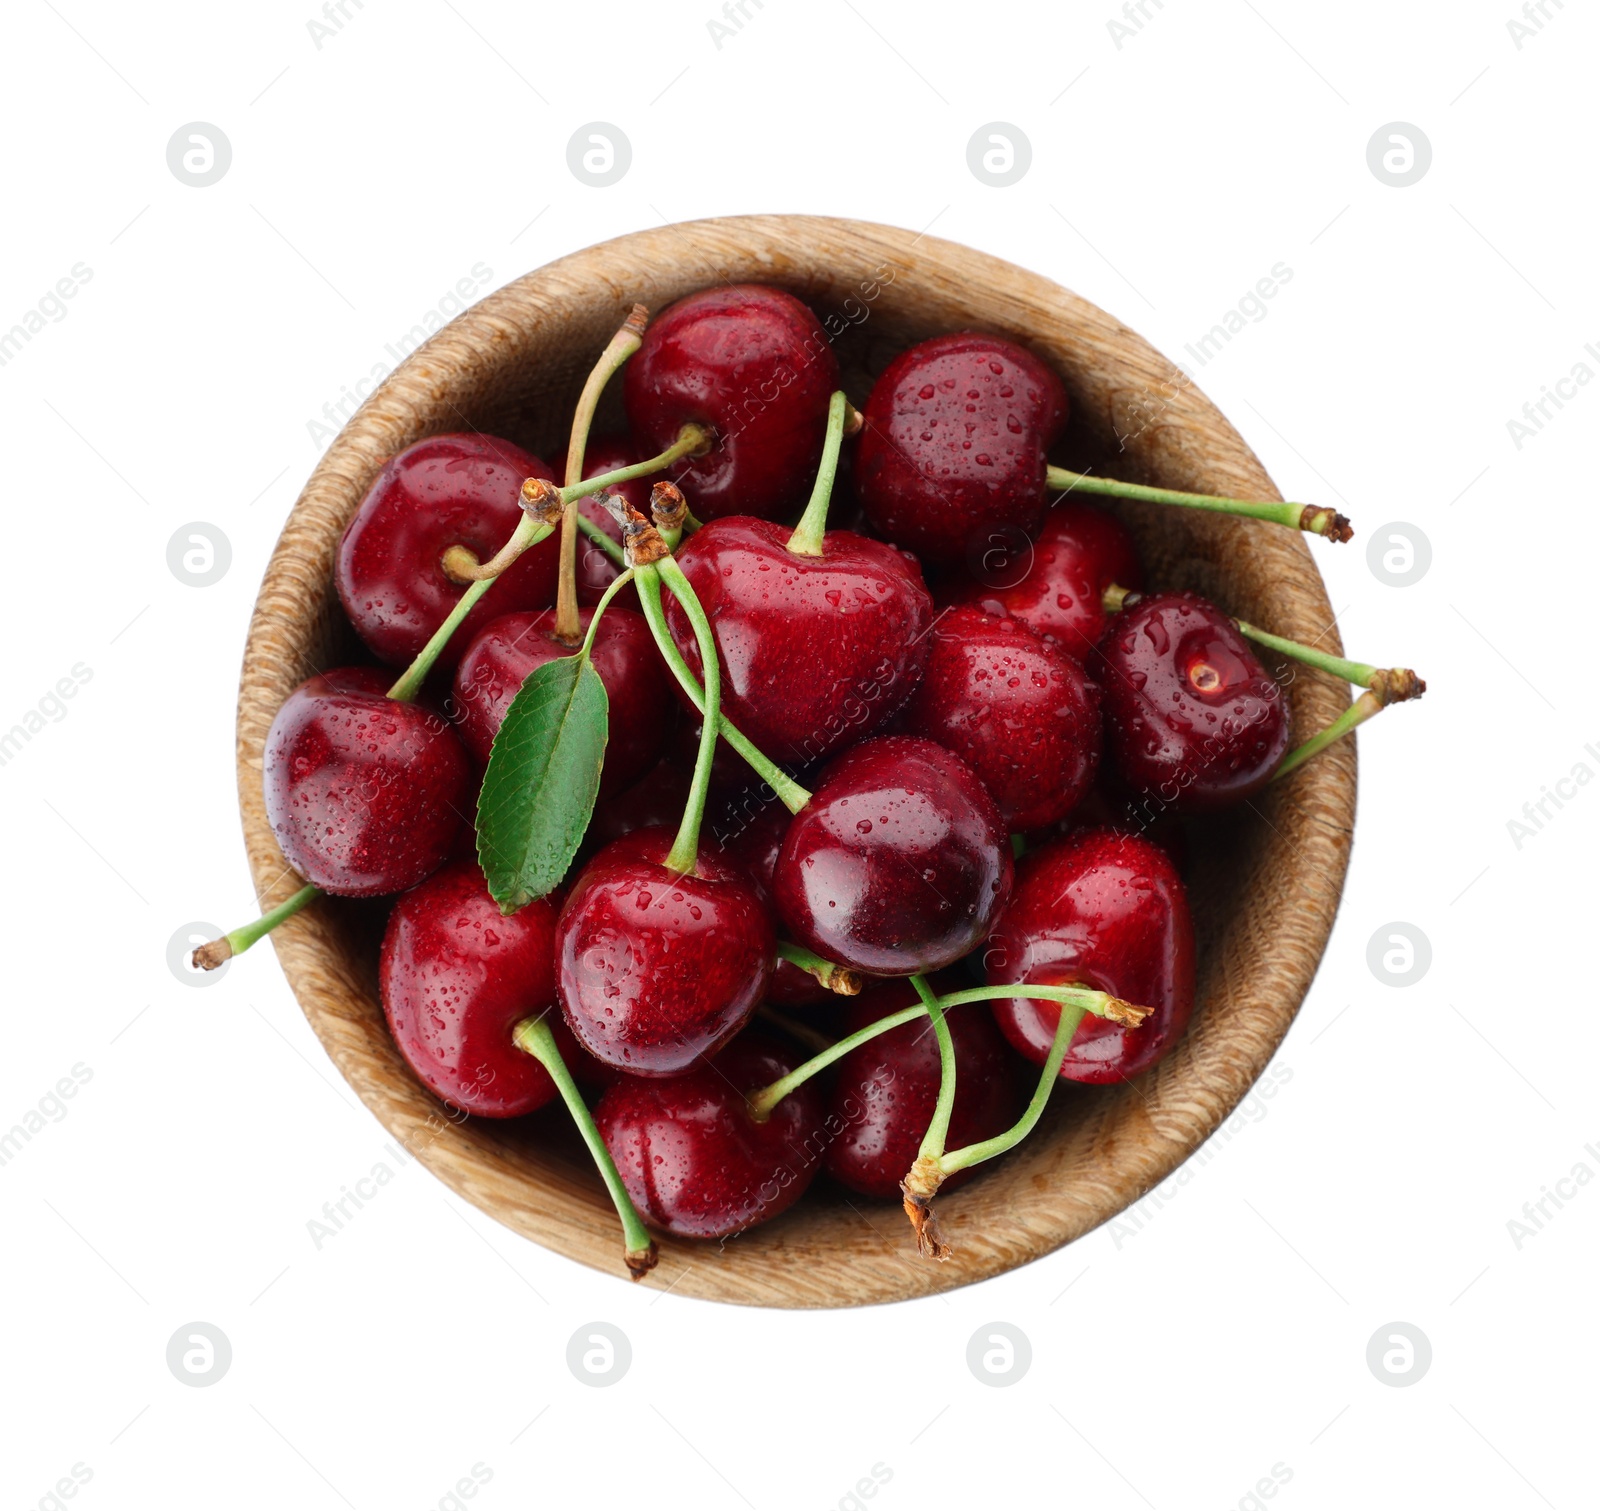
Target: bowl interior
<point x="1264" y="878"/>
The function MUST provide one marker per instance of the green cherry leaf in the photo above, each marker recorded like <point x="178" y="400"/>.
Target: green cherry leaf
<point x="544" y="772"/>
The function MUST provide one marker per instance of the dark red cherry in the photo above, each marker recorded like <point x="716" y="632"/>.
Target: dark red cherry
<point x="365" y="795"/>
<point x="655" y="968"/>
<point x="595" y="570"/>
<point x="754" y="365"/>
<point x="957" y="430"/>
<point x="1054" y="584"/>
<point x="1193" y="720"/>
<point x="511" y="648"/>
<point x="693" y="1159"/>
<point x="1102" y="808"/>
<point x="885" y="1090"/>
<point x="817" y="651"/>
<point x="456" y="977"/>
<point x="1106" y="911"/>
<point x="450" y="490"/>
<point x="1021" y="713"/>
<point x="898" y="864"/>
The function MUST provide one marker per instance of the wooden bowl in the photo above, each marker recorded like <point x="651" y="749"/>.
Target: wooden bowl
<point x="1265" y="879"/>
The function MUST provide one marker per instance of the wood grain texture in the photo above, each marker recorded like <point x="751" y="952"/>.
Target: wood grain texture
<point x="1266" y="878"/>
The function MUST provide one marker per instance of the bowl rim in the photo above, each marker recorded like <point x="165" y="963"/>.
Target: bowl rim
<point x="1083" y="1166"/>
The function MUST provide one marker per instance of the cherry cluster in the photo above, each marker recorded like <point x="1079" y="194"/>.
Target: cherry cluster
<point x="787" y="846"/>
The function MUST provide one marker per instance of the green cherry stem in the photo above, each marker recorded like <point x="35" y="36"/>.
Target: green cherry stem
<point x="837" y="978"/>
<point x="533" y="1035"/>
<point x="790" y="793"/>
<point x="1312" y="518"/>
<point x="568" y="627"/>
<point x="1357" y="714"/>
<point x="617" y="585"/>
<point x="681" y="857"/>
<point x="939" y="1125"/>
<point x="762" y="1102"/>
<point x="601" y="539"/>
<point x="806" y="538"/>
<point x="210" y="956"/>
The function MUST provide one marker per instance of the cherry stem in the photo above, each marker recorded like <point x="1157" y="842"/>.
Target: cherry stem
<point x="681" y="857"/>
<point x="939" y="1125"/>
<point x="533" y="1035"/>
<point x="837" y="978"/>
<point x="601" y="539"/>
<point x="1364" y="708"/>
<point x="762" y="1102"/>
<point x="976" y="1154"/>
<point x="624" y="344"/>
<point x="806" y="537"/>
<point x="209" y="956"/>
<point x="1312" y="518"/>
<point x="789" y="792"/>
<point x="617" y="585"/>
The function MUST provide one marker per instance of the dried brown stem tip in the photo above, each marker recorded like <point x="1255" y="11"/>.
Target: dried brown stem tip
<point x="853" y="419"/>
<point x="844" y="981"/>
<point x="668" y="507"/>
<point x="641" y="541"/>
<point x="930" y="1242"/>
<point x="210" y="956"/>
<point x="1327" y="523"/>
<point x="640" y="1261"/>
<point x="638" y="319"/>
<point x="1127" y="1013"/>
<point x="542" y="499"/>
<point x="1397" y="685"/>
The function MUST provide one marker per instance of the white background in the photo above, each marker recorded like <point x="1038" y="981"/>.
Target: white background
<point x="1171" y="1368"/>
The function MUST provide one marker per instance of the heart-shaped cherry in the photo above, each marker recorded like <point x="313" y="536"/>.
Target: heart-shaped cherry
<point x="1021" y="713"/>
<point x="694" y="1160"/>
<point x="954" y="449"/>
<point x="817" y="650"/>
<point x="364" y="794"/>
<point x="899" y="863"/>
<point x="447" y="491"/>
<point x="510" y="648"/>
<point x="1193" y="720"/>
<point x="1106" y="911"/>
<point x="1054" y="584"/>
<point x="754" y="364"/>
<point x="456" y="977"/>
<point x="884" y="1094"/>
<point x="655" y="967"/>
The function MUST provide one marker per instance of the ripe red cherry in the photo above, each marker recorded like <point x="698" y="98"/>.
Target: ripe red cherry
<point x="1019" y="712"/>
<point x="365" y="795"/>
<point x="1193" y="720"/>
<point x="456" y="977"/>
<point x="693" y="1159"/>
<point x="817" y="651"/>
<point x="595" y="570"/>
<point x="752" y="363"/>
<point x="957" y="431"/>
<point x="450" y="490"/>
<point x="1101" y="910"/>
<point x="898" y="864"/>
<point x="655" y="968"/>
<point x="885" y="1091"/>
<point x="624" y="653"/>
<point x="1054" y="584"/>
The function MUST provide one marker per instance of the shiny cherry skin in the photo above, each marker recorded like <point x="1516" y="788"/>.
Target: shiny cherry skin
<point x="511" y="648"/>
<point x="955" y="442"/>
<point x="817" y="651"/>
<point x="1054" y="584"/>
<point x="450" y="490"/>
<point x="1106" y="911"/>
<point x="753" y="364"/>
<point x="899" y="863"/>
<point x="693" y="1159"/>
<point x="653" y="968"/>
<point x="1193" y="720"/>
<point x="1019" y="712"/>
<point x="595" y="570"/>
<point x="884" y="1091"/>
<point x="456" y="977"/>
<point x="365" y="795"/>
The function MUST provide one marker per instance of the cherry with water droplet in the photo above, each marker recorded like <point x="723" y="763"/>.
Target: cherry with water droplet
<point x="365" y="794"/>
<point x="449" y="492"/>
<point x="1193" y="720"/>
<point x="1106" y="911"/>
<point x="695" y="1161"/>
<point x="1021" y="713"/>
